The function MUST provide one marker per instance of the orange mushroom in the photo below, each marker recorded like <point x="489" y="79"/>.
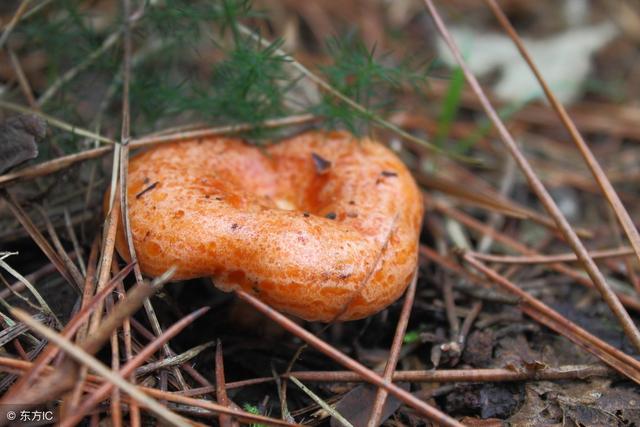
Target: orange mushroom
<point x="323" y="226"/>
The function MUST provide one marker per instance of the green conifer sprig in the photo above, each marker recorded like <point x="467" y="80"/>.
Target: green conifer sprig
<point x="65" y="38"/>
<point x="357" y="73"/>
<point x="251" y="82"/>
<point x="249" y="86"/>
<point x="181" y="19"/>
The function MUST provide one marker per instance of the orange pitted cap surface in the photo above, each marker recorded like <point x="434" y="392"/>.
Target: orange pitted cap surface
<point x="320" y="225"/>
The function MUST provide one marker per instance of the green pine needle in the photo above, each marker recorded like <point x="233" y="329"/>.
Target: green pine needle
<point x="450" y="106"/>
<point x="357" y="73"/>
<point x="250" y="84"/>
<point x="182" y="19"/>
<point x="253" y="410"/>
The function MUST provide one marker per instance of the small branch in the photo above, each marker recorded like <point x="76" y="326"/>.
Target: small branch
<point x="186" y="367"/>
<point x="552" y="259"/>
<point x="56" y="122"/>
<point x="450" y="308"/>
<point x="370" y="376"/>
<point x="172" y="361"/>
<point x="568" y="372"/>
<point x="13" y="22"/>
<point x="468" y="323"/>
<point x="394" y="353"/>
<point x="106" y="257"/>
<point x="324" y="405"/>
<point x="89" y="286"/>
<point x="134" y="409"/>
<point x="221" y="390"/>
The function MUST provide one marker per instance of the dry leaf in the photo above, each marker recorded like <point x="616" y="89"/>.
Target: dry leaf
<point x="592" y="403"/>
<point x="18" y="137"/>
<point x="356" y="405"/>
<point x="564" y="60"/>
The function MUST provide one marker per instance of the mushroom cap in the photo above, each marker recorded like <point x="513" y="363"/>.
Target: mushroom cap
<point x="323" y="226"/>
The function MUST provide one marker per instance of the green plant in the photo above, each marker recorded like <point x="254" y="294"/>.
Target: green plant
<point x="249" y="82"/>
<point x="253" y="410"/>
<point x="359" y="74"/>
